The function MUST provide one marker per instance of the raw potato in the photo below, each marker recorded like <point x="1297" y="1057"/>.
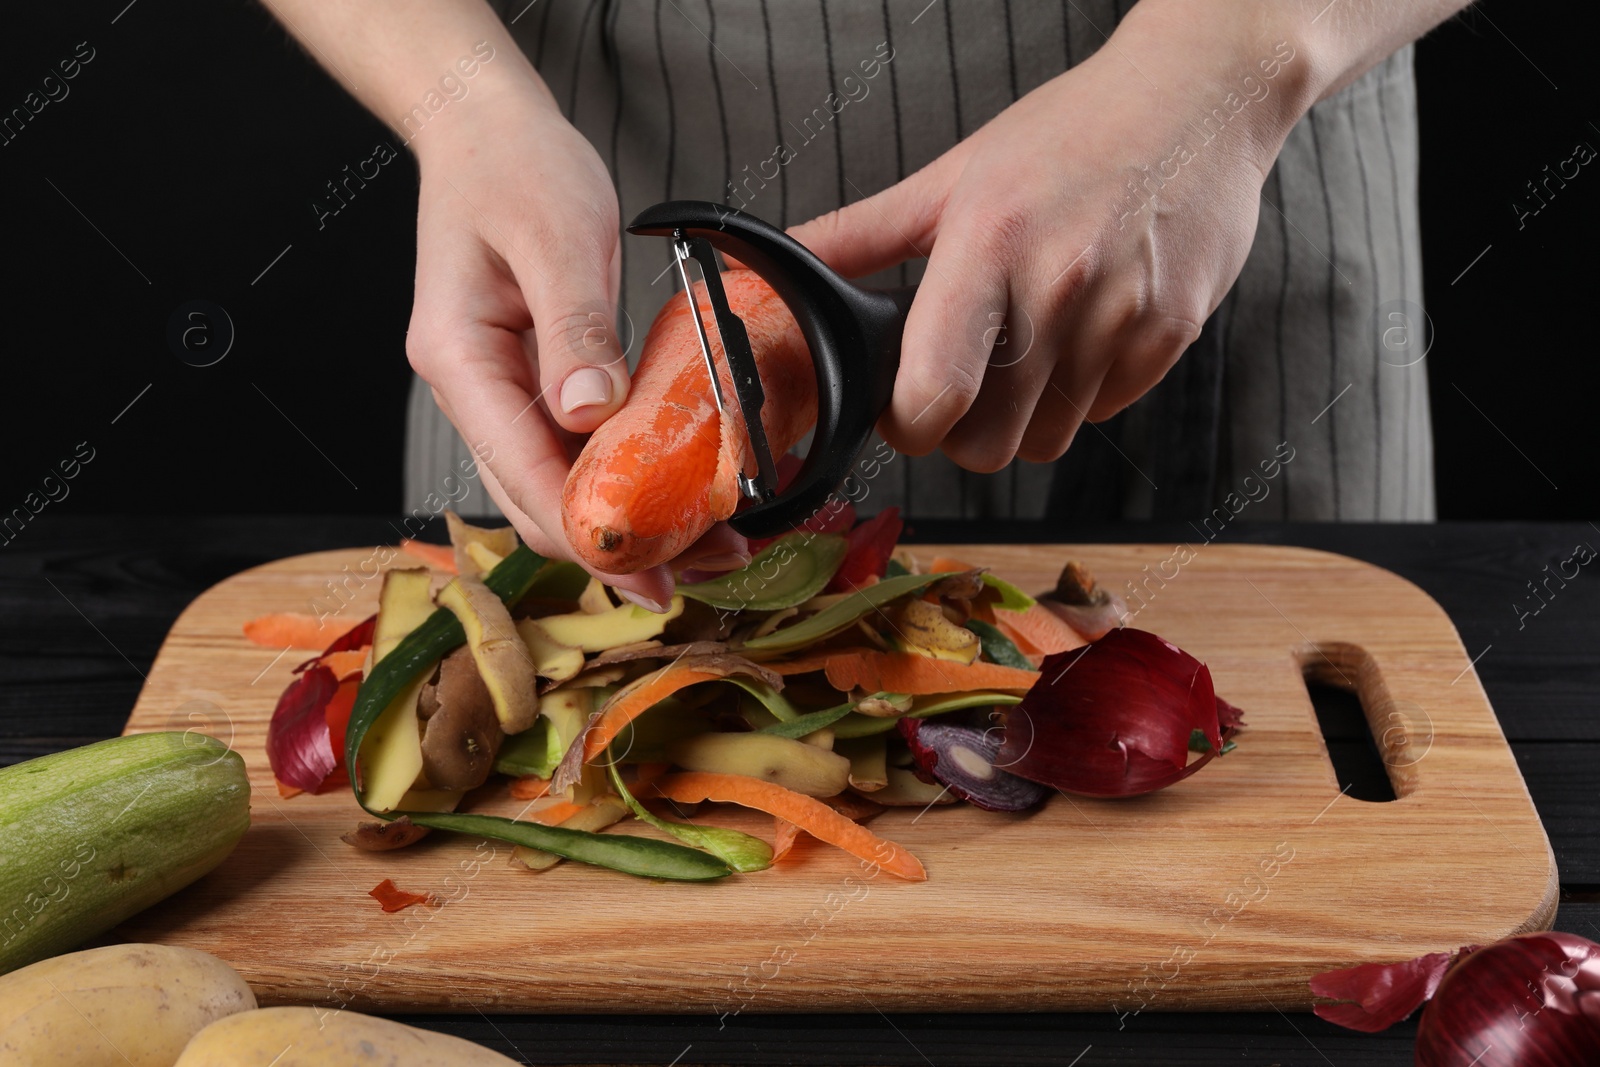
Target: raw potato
<point x="133" y="1004"/>
<point x="795" y="765"/>
<point x="601" y="630"/>
<point x="905" y="790"/>
<point x="869" y="770"/>
<point x="551" y="659"/>
<point x="923" y="628"/>
<point x="497" y="649"/>
<point x="313" y="1037"/>
<point x="497" y="543"/>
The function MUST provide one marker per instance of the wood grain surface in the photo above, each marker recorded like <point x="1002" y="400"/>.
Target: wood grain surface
<point x="1226" y="891"/>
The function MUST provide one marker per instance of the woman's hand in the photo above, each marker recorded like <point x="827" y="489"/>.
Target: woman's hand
<point x="1093" y="218"/>
<point x="517" y="267"/>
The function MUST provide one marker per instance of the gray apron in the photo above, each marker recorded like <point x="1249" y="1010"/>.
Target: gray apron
<point x="1305" y="396"/>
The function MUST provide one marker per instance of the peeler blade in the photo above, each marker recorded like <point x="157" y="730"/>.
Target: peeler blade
<point x="747" y="388"/>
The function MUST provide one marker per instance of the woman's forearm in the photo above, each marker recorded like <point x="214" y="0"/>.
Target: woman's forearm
<point x="409" y="61"/>
<point x="1259" y="65"/>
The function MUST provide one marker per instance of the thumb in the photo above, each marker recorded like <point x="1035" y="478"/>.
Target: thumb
<point x="583" y="368"/>
<point x="890" y="226"/>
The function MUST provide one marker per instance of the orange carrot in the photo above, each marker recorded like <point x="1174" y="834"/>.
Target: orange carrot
<point x="555" y="814"/>
<point x="393" y="898"/>
<point x="946" y="565"/>
<point x="907" y="672"/>
<point x="663" y="469"/>
<point x="807" y="813"/>
<point x="439" y="557"/>
<point x="337" y="714"/>
<point x="634" y="701"/>
<point x="1043" y="630"/>
<point x="294" y="629"/>
<point x="784" y="834"/>
<point x="344" y="664"/>
<point x="530" y="787"/>
<point x="800" y="664"/>
<point x="646" y="771"/>
<point x="850" y="805"/>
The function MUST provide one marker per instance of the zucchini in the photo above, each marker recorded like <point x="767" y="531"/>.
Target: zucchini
<point x="90" y="836"/>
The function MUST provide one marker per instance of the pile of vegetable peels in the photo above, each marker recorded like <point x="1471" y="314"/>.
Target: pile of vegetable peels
<point x="832" y="677"/>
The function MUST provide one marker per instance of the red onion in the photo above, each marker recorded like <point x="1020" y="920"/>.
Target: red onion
<point x="963" y="759"/>
<point x="298" y="743"/>
<point x="1528" y="1001"/>
<point x="358" y="636"/>
<point x="1114" y="718"/>
<point x="871" y="544"/>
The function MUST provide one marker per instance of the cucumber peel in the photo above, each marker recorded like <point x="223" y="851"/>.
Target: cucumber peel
<point x="770" y="698"/>
<point x="790" y="571"/>
<point x="529" y="753"/>
<point x="643" y="856"/>
<point x="997" y="647"/>
<point x="836" y="617"/>
<point x="809" y="723"/>
<point x="412" y="658"/>
<point x="1011" y="598"/>
<point x="735" y="848"/>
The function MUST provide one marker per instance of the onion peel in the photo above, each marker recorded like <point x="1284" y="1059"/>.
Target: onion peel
<point x="872" y="542"/>
<point x="299" y="746"/>
<point x="1115" y="718"/>
<point x="1532" y="1000"/>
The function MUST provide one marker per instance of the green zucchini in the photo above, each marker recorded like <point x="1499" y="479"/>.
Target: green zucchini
<point x="90" y="836"/>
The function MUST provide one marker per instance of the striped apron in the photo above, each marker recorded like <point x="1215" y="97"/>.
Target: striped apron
<point x="1305" y="396"/>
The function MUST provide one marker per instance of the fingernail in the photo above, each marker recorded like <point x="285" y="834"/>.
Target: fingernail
<point x="723" y="561"/>
<point x="588" y="387"/>
<point x="643" y="601"/>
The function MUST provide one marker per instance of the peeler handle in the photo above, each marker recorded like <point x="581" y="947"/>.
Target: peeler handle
<point x="854" y="336"/>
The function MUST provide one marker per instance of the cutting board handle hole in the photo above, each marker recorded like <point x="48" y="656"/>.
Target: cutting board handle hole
<point x="1374" y="741"/>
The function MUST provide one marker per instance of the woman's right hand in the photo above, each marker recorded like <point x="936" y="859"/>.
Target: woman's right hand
<point x="518" y="259"/>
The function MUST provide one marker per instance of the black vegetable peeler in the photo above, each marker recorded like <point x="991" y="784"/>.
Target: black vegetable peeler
<point x="853" y="334"/>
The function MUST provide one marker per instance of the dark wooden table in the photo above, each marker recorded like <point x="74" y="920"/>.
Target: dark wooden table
<point x="85" y="603"/>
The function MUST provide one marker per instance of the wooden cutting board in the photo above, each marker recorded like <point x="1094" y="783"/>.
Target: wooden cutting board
<point x="1226" y="891"/>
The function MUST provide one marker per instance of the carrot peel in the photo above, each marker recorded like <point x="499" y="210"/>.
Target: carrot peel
<point x="393" y="898"/>
<point x="296" y="629"/>
<point x="640" y="696"/>
<point x="439" y="557"/>
<point x="806" y="813"/>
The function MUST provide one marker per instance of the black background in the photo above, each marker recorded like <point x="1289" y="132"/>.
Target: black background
<point x="197" y="138"/>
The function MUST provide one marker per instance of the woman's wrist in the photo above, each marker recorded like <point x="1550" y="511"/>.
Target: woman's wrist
<point x="1226" y="65"/>
<point x="507" y="94"/>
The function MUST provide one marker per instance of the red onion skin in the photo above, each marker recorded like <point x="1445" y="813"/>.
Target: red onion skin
<point x="1009" y="792"/>
<point x="360" y="635"/>
<point x="871" y="544"/>
<point x="1114" y="718"/>
<point x="298" y="745"/>
<point x="1528" y="1001"/>
<point x="1375" y="996"/>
